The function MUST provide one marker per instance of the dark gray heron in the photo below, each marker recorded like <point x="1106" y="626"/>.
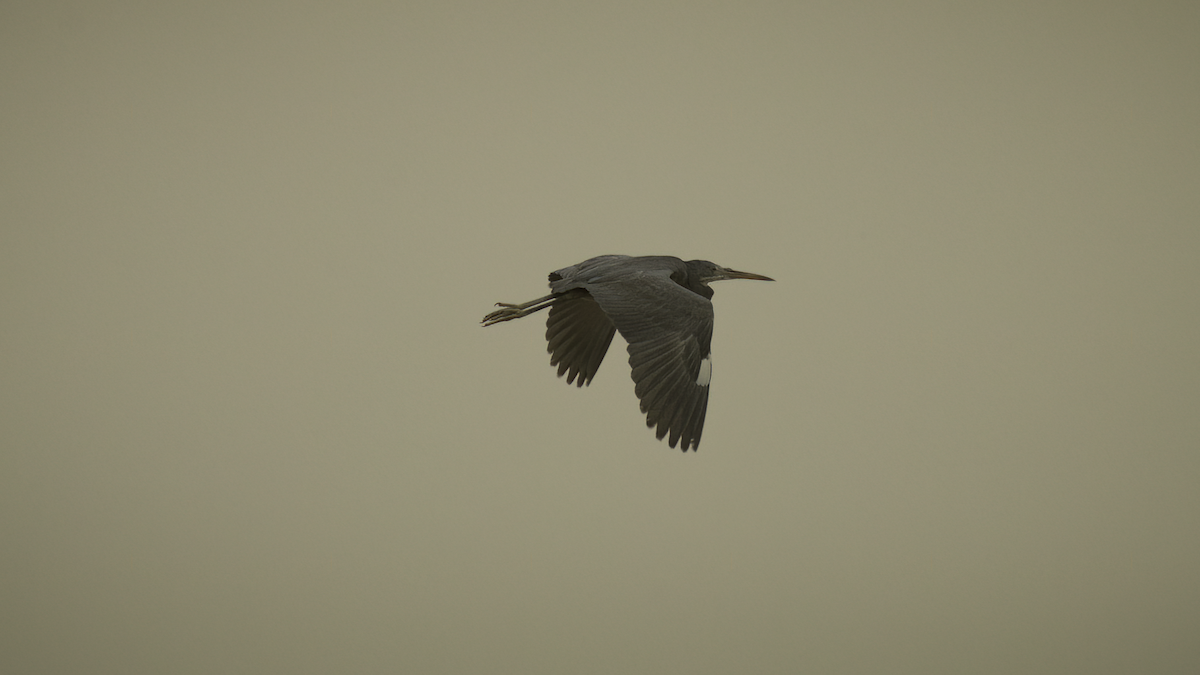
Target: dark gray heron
<point x="662" y="306"/>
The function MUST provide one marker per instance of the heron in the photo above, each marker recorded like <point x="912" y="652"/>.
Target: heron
<point x="663" y="308"/>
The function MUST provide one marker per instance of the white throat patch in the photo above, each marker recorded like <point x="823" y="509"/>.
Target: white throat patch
<point x="705" y="371"/>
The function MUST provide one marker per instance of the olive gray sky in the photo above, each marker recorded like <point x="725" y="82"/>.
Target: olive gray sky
<point x="251" y="424"/>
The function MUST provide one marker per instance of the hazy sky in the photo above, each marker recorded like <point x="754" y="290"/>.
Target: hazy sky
<point x="251" y="424"/>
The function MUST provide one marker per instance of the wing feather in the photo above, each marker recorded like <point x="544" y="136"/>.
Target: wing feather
<point x="669" y="331"/>
<point x="578" y="334"/>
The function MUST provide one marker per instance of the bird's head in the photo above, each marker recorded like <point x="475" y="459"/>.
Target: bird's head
<point x="705" y="271"/>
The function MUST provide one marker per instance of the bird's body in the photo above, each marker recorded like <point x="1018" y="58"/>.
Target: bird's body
<point x="661" y="305"/>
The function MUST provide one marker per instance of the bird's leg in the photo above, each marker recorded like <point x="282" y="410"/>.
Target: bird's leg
<point x="508" y="312"/>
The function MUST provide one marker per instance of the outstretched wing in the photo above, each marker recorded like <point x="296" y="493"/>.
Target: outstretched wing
<point x="578" y="333"/>
<point x="669" y="331"/>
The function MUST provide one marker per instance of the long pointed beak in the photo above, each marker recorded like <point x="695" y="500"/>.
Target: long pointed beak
<point x="734" y="274"/>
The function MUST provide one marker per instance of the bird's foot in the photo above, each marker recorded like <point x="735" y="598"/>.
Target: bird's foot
<point x="507" y="312"/>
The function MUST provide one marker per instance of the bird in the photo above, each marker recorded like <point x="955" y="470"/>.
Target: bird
<point x="663" y="308"/>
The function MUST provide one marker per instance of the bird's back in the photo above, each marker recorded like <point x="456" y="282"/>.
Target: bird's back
<point x="610" y="268"/>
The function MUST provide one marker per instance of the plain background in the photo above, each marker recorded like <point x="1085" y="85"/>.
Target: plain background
<point x="250" y="422"/>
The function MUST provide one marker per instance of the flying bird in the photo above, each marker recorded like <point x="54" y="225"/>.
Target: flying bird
<point x="662" y="306"/>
